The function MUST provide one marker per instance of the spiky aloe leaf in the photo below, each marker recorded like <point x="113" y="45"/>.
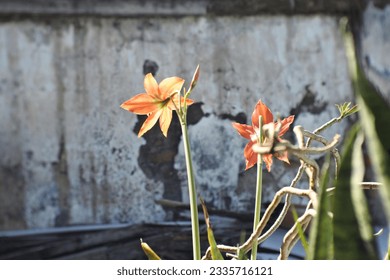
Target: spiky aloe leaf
<point x="349" y="227"/>
<point x="358" y="197"/>
<point x="375" y="119"/>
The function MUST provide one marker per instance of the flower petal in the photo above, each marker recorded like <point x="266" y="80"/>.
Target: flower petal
<point x="268" y="161"/>
<point x="151" y="86"/>
<point x="165" y="120"/>
<point x="149" y="122"/>
<point x="261" y="110"/>
<point x="286" y="125"/>
<point x="169" y="86"/>
<point x="140" y="104"/>
<point x="244" y="130"/>
<point x="283" y="156"/>
<point x="250" y="155"/>
<point x="189" y="101"/>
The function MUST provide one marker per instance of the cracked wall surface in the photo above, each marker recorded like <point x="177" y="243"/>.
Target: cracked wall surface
<point x="70" y="155"/>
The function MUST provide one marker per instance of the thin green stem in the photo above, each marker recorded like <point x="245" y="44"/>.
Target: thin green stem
<point x="259" y="187"/>
<point x="192" y="194"/>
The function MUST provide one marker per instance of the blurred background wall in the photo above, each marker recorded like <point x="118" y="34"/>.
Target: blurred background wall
<point x="69" y="155"/>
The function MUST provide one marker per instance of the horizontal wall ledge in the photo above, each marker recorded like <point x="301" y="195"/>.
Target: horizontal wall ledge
<point x="138" y="8"/>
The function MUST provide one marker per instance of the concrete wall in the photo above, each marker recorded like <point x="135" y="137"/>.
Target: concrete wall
<point x="69" y="155"/>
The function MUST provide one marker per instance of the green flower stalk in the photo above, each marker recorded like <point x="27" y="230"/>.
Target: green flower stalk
<point x="259" y="188"/>
<point x="157" y="103"/>
<point x="192" y="194"/>
<point x="182" y="114"/>
<point x="262" y="120"/>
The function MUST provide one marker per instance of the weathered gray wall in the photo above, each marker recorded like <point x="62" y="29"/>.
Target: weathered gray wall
<point x="70" y="155"/>
<point x="375" y="47"/>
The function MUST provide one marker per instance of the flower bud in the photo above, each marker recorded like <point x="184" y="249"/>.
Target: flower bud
<point x="194" y="79"/>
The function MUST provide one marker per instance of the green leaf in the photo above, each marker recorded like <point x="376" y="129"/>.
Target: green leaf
<point x="215" y="253"/>
<point x="375" y="119"/>
<point x="321" y="233"/>
<point x="358" y="197"/>
<point x="149" y="251"/>
<point x="301" y="233"/>
<point x="349" y="236"/>
<point x="241" y="255"/>
<point x="345" y="109"/>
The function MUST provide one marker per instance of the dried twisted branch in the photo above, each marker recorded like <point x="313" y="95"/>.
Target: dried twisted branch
<point x="324" y="141"/>
<point x="292" y="236"/>
<point x="302" y="152"/>
<point x="284" y="211"/>
<point x="263" y="222"/>
<point x="271" y="208"/>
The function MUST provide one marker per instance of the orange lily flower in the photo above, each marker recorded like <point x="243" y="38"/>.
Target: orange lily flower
<point x="247" y="131"/>
<point x="157" y="103"/>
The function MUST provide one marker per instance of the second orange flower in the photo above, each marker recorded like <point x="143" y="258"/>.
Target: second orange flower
<point x="247" y="131"/>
